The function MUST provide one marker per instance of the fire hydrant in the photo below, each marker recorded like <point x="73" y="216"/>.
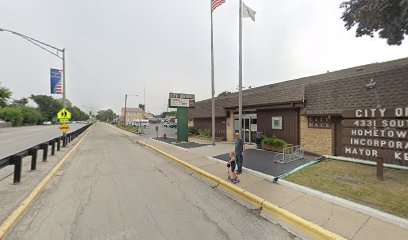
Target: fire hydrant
<point x="164" y="135"/>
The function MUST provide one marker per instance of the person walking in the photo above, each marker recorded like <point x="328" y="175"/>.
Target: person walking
<point x="239" y="152"/>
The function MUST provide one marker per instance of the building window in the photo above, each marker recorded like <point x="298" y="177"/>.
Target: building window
<point x="277" y="123"/>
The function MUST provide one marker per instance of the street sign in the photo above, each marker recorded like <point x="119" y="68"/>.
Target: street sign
<point x="177" y="100"/>
<point x="64" y="128"/>
<point x="64" y="115"/>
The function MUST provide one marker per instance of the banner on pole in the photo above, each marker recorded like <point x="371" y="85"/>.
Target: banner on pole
<point x="56" y="81"/>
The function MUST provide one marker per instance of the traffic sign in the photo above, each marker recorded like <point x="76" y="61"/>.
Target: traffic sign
<point x="64" y="115"/>
<point x="64" y="128"/>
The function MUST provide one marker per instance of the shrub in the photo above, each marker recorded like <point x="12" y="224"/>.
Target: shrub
<point x="31" y="115"/>
<point x="193" y="131"/>
<point x="274" y="141"/>
<point x="205" y="133"/>
<point x="13" y="115"/>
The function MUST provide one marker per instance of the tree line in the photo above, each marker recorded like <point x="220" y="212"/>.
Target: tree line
<point x="19" y="113"/>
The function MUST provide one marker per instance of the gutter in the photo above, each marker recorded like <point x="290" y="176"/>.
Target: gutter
<point x="300" y="168"/>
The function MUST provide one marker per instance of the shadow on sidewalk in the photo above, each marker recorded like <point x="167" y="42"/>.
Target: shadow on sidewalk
<point x="182" y="144"/>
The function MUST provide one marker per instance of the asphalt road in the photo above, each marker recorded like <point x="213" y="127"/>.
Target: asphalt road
<point x="151" y="130"/>
<point x="14" y="140"/>
<point x="112" y="188"/>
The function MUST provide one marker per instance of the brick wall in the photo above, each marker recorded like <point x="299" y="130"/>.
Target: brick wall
<point x="230" y="127"/>
<point x="319" y="141"/>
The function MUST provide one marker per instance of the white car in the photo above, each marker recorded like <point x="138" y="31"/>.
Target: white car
<point x="166" y="124"/>
<point x="47" y="123"/>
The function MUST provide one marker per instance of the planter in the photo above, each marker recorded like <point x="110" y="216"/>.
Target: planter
<point x="273" y="148"/>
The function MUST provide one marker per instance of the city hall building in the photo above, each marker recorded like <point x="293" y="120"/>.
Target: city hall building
<point x="308" y="111"/>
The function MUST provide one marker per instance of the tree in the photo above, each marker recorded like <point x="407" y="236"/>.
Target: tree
<point x="106" y="115"/>
<point x="4" y="96"/>
<point x="223" y="94"/>
<point x="142" y="106"/>
<point x="13" y="115"/>
<point x="31" y="116"/>
<point x="21" y="102"/>
<point x="48" y="106"/>
<point x="165" y="114"/>
<point x="388" y="18"/>
<point x="77" y="114"/>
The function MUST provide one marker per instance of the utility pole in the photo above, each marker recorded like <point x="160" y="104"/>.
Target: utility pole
<point x="124" y="114"/>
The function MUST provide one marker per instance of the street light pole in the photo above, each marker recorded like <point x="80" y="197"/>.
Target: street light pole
<point x="64" y="92"/>
<point x="47" y="48"/>
<point x="124" y="114"/>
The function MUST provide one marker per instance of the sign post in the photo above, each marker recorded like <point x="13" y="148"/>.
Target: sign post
<point x="182" y="102"/>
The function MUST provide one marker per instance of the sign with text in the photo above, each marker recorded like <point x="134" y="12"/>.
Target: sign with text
<point x="376" y="133"/>
<point x="320" y="122"/>
<point x="177" y="100"/>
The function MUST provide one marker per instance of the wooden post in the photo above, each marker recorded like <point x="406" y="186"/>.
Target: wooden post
<point x="380" y="169"/>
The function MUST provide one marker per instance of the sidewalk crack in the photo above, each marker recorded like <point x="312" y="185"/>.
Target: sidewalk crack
<point x="361" y="227"/>
<point x="294" y="200"/>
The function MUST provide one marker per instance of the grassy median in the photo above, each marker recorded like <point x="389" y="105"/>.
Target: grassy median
<point x="358" y="183"/>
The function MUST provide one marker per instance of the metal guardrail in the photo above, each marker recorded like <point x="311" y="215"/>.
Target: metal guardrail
<point x="290" y="154"/>
<point x="17" y="158"/>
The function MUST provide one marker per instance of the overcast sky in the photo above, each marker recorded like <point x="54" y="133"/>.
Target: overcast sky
<point x="118" y="47"/>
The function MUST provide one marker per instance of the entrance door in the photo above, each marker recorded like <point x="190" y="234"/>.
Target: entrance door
<point x="249" y="127"/>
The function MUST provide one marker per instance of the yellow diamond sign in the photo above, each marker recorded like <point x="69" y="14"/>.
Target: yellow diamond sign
<point x="64" y="128"/>
<point x="64" y="115"/>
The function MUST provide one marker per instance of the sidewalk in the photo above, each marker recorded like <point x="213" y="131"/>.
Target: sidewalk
<point x="337" y="219"/>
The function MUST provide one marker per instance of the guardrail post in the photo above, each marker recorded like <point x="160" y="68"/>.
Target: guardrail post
<point x="44" y="147"/>
<point x="33" y="152"/>
<point x="52" y="143"/>
<point x="64" y="141"/>
<point x="17" y="161"/>
<point x="58" y="143"/>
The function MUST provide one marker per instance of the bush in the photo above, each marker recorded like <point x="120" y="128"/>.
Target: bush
<point x="193" y="131"/>
<point x="31" y="115"/>
<point x="13" y="115"/>
<point x="274" y="141"/>
<point x="205" y="133"/>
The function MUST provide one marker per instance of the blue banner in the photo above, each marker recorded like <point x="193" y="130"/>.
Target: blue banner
<point x="56" y="81"/>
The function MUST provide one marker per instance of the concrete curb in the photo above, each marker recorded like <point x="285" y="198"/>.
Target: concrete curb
<point x="372" y="212"/>
<point x="11" y="220"/>
<point x="178" y="147"/>
<point x="355" y="160"/>
<point x="283" y="214"/>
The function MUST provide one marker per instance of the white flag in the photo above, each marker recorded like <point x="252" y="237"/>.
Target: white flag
<point x="247" y="12"/>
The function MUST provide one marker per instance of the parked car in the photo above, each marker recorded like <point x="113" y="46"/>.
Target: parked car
<point x="166" y="124"/>
<point x="47" y="123"/>
<point x="173" y="125"/>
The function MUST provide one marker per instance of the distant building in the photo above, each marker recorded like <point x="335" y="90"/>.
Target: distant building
<point x="133" y="114"/>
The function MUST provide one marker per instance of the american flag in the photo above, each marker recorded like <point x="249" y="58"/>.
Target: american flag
<point x="59" y="88"/>
<point x="216" y="3"/>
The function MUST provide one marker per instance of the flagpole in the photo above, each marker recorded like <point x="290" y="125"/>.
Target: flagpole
<point x="240" y="68"/>
<point x="212" y="81"/>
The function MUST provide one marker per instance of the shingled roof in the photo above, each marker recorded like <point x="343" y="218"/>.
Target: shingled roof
<point x="292" y="91"/>
<point x="332" y="97"/>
